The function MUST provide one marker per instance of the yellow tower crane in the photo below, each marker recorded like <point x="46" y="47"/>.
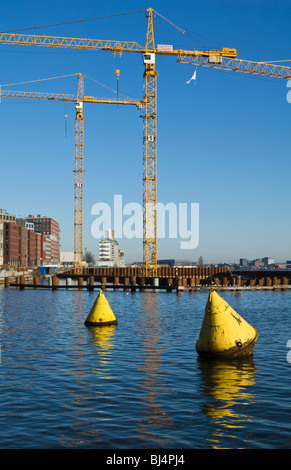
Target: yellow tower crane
<point x="79" y="145"/>
<point x="224" y="58"/>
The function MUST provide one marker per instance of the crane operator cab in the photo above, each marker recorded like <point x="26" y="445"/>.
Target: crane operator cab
<point x="148" y="58"/>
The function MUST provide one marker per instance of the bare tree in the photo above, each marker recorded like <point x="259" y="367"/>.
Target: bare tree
<point x="89" y="257"/>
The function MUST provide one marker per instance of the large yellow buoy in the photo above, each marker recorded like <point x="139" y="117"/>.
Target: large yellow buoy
<point x="101" y="313"/>
<point x="224" y="333"/>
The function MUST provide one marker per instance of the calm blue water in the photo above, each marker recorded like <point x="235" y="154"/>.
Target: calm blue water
<point x="140" y="384"/>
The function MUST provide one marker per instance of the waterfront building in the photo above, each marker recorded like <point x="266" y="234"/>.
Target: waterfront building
<point x="243" y="262"/>
<point x="267" y="261"/>
<point x="11" y="243"/>
<point x="50" y="229"/>
<point x="121" y="258"/>
<point x="173" y="263"/>
<point x="35" y="248"/>
<point x="1" y="243"/>
<point x="5" y="217"/>
<point x="23" y="247"/>
<point x="109" y="253"/>
<point x="46" y="250"/>
<point x="166" y="262"/>
<point x="28" y="241"/>
<point x="67" y="258"/>
<point x="25" y="223"/>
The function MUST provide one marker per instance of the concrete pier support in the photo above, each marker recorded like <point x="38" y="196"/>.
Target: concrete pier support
<point x="225" y="281"/>
<point x="103" y="283"/>
<point x="268" y="281"/>
<point x="126" y="284"/>
<point x="216" y="281"/>
<point x="116" y="283"/>
<point x="141" y="283"/>
<point x="91" y="283"/>
<point x="169" y="282"/>
<point x="192" y="282"/>
<point x="133" y="283"/>
<point x="284" y="281"/>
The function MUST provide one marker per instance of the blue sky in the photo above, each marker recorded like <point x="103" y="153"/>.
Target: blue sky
<point x="223" y="142"/>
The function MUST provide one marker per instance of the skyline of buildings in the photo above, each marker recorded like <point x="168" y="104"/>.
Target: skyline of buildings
<point x="35" y="241"/>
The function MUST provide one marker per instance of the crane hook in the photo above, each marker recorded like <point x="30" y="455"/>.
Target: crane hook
<point x="66" y="125"/>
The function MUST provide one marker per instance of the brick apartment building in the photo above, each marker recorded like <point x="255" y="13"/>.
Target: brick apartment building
<point x="1" y="243"/>
<point x="22" y="247"/>
<point x="28" y="241"/>
<point x="50" y="228"/>
<point x="4" y="216"/>
<point x="11" y="243"/>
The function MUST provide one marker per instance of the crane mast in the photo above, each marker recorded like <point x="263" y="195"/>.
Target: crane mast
<point x="150" y="154"/>
<point x="78" y="186"/>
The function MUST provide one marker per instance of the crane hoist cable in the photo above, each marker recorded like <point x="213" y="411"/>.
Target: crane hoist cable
<point x="39" y="80"/>
<point x="74" y="21"/>
<point x="126" y="97"/>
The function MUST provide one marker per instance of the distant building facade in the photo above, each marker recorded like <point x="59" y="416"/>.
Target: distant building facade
<point x="67" y="258"/>
<point x="22" y="246"/>
<point x="5" y="217"/>
<point x="173" y="263"/>
<point x="50" y="229"/>
<point x="243" y="262"/>
<point x="11" y="244"/>
<point x="1" y="243"/>
<point x="25" y="223"/>
<point x="29" y="241"/>
<point x="121" y="258"/>
<point x="109" y="253"/>
<point x="267" y="261"/>
<point x="262" y="262"/>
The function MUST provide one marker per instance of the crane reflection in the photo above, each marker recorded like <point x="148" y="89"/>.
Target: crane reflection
<point x="227" y="391"/>
<point x="154" y="416"/>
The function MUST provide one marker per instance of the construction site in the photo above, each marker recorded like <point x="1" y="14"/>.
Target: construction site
<point x="177" y="338"/>
<point x="224" y="59"/>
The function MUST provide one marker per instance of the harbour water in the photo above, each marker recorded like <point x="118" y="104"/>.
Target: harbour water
<point x="140" y="384"/>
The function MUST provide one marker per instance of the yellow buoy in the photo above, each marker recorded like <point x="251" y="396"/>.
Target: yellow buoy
<point x="101" y="313"/>
<point x="224" y="333"/>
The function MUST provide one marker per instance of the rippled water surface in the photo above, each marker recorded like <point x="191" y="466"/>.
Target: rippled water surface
<point x="139" y="384"/>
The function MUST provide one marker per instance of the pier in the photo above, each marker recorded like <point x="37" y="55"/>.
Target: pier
<point x="168" y="279"/>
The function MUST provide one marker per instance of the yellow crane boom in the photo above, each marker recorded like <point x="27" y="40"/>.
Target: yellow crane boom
<point x="224" y="58"/>
<point x="239" y="65"/>
<point x="104" y="45"/>
<point x="40" y="95"/>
